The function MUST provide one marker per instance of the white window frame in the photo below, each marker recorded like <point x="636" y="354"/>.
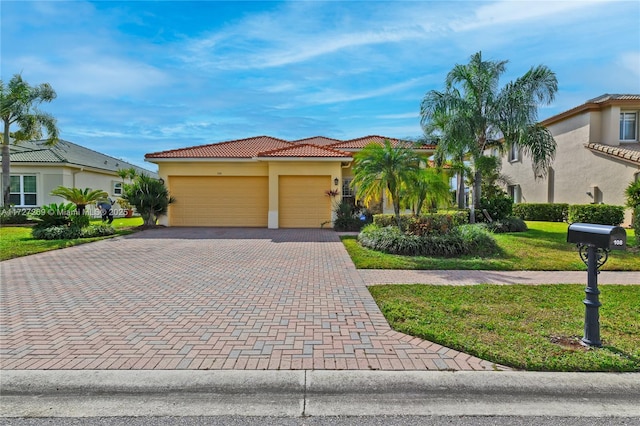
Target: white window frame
<point x="623" y="137"/>
<point x="23" y="193"/>
<point x="515" y="193"/>
<point x="117" y="188"/>
<point x="514" y="153"/>
<point x="349" y="192"/>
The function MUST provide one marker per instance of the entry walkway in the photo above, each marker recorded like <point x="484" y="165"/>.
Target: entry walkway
<point x="203" y="298"/>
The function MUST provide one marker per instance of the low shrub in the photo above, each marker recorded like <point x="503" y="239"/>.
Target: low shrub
<point x="465" y="239"/>
<point x="509" y="224"/>
<point x="603" y="214"/>
<point x="63" y="232"/>
<point x="57" y="232"/>
<point x="498" y="207"/>
<point x="636" y="225"/>
<point x="426" y="224"/>
<point x="476" y="240"/>
<point x="544" y="212"/>
<point x="13" y="216"/>
<point x="384" y="219"/>
<point x="350" y="217"/>
<point x="101" y="230"/>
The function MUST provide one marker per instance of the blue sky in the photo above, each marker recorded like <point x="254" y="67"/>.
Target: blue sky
<point x="143" y="76"/>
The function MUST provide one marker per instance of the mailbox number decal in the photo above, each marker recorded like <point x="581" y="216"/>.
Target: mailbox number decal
<point x="618" y="243"/>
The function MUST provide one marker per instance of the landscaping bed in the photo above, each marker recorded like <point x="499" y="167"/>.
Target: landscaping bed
<point x="543" y="247"/>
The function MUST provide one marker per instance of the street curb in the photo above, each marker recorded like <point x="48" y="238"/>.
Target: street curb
<point x="64" y="393"/>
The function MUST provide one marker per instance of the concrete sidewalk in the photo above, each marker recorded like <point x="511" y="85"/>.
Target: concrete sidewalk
<point x="391" y="276"/>
<point x="317" y="393"/>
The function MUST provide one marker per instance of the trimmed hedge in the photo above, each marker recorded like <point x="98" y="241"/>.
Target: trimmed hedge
<point x="462" y="240"/>
<point x="545" y="212"/>
<point x="636" y="225"/>
<point x="603" y="214"/>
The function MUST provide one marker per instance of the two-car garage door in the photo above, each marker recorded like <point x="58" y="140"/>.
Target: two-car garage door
<point x="243" y="201"/>
<point x="219" y="200"/>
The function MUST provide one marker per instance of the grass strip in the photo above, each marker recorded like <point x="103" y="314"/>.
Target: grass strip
<point x="529" y="327"/>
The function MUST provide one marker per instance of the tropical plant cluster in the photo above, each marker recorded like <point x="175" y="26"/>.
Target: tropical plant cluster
<point x="63" y="222"/>
<point x="457" y="241"/>
<point x="425" y="224"/>
<point x="149" y="196"/>
<point x="350" y="217"/>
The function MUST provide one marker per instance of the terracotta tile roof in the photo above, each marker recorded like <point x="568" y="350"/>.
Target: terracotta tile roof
<point x="242" y="148"/>
<point x="360" y="143"/>
<point x="267" y="146"/>
<point x="318" y="140"/>
<point x="627" y="152"/>
<point x="305" y="150"/>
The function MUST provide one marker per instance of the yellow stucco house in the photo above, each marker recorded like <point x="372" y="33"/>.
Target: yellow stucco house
<point x="37" y="169"/>
<point x="260" y="181"/>
<point x="598" y="155"/>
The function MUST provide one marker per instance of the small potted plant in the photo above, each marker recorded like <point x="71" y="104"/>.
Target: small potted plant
<point x="124" y="205"/>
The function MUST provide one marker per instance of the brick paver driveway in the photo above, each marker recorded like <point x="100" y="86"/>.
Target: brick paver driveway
<point x="203" y="298"/>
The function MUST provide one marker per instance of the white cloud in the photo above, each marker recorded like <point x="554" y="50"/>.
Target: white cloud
<point x="509" y="11"/>
<point x="330" y="96"/>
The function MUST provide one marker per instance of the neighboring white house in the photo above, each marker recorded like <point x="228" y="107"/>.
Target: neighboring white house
<point x="37" y="169"/>
<point x="598" y="155"/>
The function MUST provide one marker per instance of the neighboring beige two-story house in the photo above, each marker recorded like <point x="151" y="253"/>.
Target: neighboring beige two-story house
<point x="37" y="169"/>
<point x="260" y="181"/>
<point x="598" y="155"/>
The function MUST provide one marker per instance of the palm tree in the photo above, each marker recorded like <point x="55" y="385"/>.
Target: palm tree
<point x="18" y="105"/>
<point x="80" y="197"/>
<point x="428" y="185"/>
<point x="383" y="169"/>
<point x="490" y="116"/>
<point x="149" y="196"/>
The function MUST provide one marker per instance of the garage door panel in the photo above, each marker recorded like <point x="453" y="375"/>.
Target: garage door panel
<point x="302" y="201"/>
<point x="219" y="200"/>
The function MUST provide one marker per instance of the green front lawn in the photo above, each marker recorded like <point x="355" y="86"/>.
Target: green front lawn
<point x="521" y="326"/>
<point x="16" y="241"/>
<point x="543" y="247"/>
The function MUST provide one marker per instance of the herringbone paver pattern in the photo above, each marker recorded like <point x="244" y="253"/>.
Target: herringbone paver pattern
<point x="203" y="298"/>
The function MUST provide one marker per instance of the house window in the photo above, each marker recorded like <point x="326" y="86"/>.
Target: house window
<point x="514" y="193"/>
<point x="347" y="190"/>
<point x="628" y="126"/>
<point x="116" y="188"/>
<point x="23" y="191"/>
<point x="514" y="153"/>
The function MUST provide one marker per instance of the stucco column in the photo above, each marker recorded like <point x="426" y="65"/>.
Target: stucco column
<point x="272" y="220"/>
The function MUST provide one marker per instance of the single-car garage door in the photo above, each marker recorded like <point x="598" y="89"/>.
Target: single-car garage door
<point x="219" y="200"/>
<point x="303" y="202"/>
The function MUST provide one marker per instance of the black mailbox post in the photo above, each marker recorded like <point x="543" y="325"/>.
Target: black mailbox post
<point x="594" y="242"/>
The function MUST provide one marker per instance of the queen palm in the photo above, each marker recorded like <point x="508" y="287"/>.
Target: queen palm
<point x="80" y="197"/>
<point x="383" y="169"/>
<point x="18" y="105"/>
<point x="489" y="115"/>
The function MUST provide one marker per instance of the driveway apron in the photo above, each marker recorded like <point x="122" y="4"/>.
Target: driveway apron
<point x="203" y="298"/>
